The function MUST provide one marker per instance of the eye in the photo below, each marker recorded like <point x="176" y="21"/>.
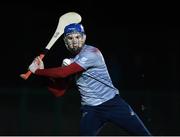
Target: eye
<point x="69" y="38"/>
<point x="78" y="36"/>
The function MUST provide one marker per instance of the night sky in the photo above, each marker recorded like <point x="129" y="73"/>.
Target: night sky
<point x="140" y="37"/>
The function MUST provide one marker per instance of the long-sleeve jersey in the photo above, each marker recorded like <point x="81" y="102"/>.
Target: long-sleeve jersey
<point x="92" y="77"/>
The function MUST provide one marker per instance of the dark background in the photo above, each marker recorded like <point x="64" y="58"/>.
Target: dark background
<point x="139" y="41"/>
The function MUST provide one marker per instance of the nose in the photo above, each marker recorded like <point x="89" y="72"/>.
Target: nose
<point x="75" y="40"/>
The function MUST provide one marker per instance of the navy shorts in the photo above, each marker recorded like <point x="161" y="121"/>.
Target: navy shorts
<point x="116" y="111"/>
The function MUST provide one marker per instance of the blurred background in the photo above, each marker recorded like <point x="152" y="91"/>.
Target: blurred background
<point x="140" y="44"/>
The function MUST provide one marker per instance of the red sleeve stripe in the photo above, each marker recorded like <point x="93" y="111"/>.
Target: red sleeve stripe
<point x="60" y="72"/>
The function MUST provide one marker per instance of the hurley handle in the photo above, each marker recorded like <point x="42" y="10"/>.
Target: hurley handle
<point x="28" y="73"/>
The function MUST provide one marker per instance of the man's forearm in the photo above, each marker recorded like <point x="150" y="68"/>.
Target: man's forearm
<point x="60" y="72"/>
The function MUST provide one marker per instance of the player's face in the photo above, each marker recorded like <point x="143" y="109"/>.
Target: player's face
<point x="74" y="41"/>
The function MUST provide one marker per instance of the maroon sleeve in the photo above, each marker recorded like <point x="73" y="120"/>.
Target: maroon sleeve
<point x="60" y="72"/>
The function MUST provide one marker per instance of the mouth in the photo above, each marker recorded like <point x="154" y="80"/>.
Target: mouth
<point x="74" y="47"/>
<point x="75" y="44"/>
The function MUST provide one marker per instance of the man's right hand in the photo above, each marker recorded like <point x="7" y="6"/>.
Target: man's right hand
<point x="36" y="64"/>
